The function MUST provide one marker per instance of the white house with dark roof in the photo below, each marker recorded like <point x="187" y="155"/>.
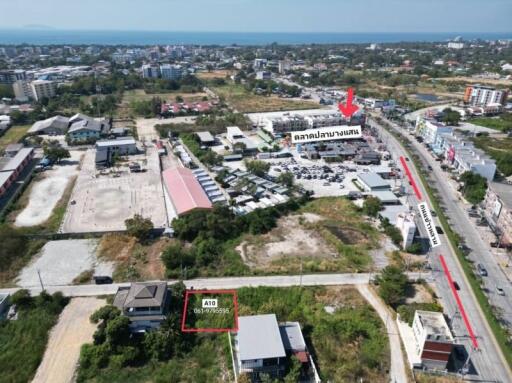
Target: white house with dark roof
<point x="145" y="304"/>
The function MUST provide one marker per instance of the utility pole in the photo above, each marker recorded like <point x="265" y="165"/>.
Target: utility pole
<point x="40" y="279"/>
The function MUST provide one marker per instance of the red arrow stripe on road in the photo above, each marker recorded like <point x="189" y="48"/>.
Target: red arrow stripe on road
<point x="411" y="179"/>
<point x="459" y="302"/>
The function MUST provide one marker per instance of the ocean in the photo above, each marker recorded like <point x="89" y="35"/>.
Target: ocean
<point x="55" y="36"/>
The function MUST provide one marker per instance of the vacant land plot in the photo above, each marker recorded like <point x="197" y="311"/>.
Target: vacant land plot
<point x="102" y="202"/>
<point x="329" y="235"/>
<point x="60" y="262"/>
<point x="132" y="260"/>
<point x="499" y="149"/>
<point x="141" y="95"/>
<point x="245" y="102"/>
<point x="72" y="330"/>
<point x="213" y="74"/>
<point x="13" y="135"/>
<point x="502" y="123"/>
<point x="46" y="192"/>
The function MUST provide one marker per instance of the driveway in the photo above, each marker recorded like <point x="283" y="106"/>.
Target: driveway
<point x="66" y="338"/>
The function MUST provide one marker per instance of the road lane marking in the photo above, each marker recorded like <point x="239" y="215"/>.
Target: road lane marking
<point x="459" y="302"/>
<point x="411" y="179"/>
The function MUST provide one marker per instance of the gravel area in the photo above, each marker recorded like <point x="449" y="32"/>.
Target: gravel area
<point x="60" y="262"/>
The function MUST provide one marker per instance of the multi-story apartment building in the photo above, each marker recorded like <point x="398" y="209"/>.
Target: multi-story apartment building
<point x="479" y="95"/>
<point x="433" y="339"/>
<point x="171" y="72"/>
<point x="10" y="76"/>
<point x="498" y="211"/>
<point x="22" y="90"/>
<point x="43" y="88"/>
<point x="150" y="71"/>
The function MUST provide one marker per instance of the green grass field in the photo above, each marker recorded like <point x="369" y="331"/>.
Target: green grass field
<point x="13" y="135"/>
<point x="502" y="123"/>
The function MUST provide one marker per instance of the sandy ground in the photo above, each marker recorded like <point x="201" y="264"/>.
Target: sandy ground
<point x="60" y="262"/>
<point x="104" y="202"/>
<point x="46" y="193"/>
<point x="146" y="126"/>
<point x="71" y="332"/>
<point x="290" y="238"/>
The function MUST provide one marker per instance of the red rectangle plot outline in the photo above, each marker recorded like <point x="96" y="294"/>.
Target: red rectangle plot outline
<point x="185" y="306"/>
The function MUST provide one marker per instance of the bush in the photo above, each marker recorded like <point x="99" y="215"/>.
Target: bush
<point x="475" y="187"/>
<point x="372" y="206"/>
<point x="392" y="285"/>
<point x="139" y="227"/>
<point x="407" y="312"/>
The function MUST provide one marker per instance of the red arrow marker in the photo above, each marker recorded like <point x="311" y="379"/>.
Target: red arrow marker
<point x="349" y="109"/>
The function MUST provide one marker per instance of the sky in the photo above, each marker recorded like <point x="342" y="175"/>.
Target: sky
<point x="263" y="15"/>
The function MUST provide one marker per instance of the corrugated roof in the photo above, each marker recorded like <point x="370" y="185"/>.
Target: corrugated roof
<point x="4" y="176"/>
<point x="16" y="161"/>
<point x="184" y="190"/>
<point x="259" y="337"/>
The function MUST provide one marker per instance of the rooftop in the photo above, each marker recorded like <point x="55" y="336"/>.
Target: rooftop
<point x="16" y="161"/>
<point x="504" y="191"/>
<point x="184" y="190"/>
<point x="259" y="337"/>
<point x="373" y="180"/>
<point x="141" y="295"/>
<point x="434" y="324"/>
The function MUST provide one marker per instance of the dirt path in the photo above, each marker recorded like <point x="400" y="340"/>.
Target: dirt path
<point x="72" y="330"/>
<point x="397" y="372"/>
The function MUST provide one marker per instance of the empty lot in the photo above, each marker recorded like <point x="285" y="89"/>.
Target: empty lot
<point x="69" y="334"/>
<point x="60" y="262"/>
<point x="102" y="202"/>
<point x="46" y="193"/>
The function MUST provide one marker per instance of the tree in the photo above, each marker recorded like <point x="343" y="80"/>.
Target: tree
<point x="139" y="227"/>
<point x="105" y="313"/>
<point x="287" y="179"/>
<point x="54" y="152"/>
<point x="372" y="206"/>
<point x="392" y="284"/>
<point x="475" y="186"/>
<point x="118" y="330"/>
<point x="257" y="167"/>
<point x="451" y="117"/>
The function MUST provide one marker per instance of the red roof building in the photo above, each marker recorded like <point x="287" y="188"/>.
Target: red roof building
<point x="184" y="190"/>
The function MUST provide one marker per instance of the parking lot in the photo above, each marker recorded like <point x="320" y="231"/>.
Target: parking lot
<point x="102" y="201"/>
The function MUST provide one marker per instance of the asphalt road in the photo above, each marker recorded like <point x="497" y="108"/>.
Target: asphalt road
<point x="487" y="363"/>
<point x="224" y="283"/>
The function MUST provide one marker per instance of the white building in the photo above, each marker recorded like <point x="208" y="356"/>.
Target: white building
<point x="24" y="90"/>
<point x="260" y="63"/>
<point x="405" y="223"/>
<point x="463" y="156"/>
<point x="263" y="75"/>
<point x="430" y="130"/>
<point x="43" y="88"/>
<point x="433" y="339"/>
<point x="455" y="45"/>
<point x="171" y="72"/>
<point x="150" y="71"/>
<point x="479" y="95"/>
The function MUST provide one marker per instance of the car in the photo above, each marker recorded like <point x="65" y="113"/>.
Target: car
<point x="429" y="167"/>
<point x="500" y="291"/>
<point x="433" y="212"/>
<point x="439" y="230"/>
<point x="456" y="286"/>
<point x="102" y="280"/>
<point x="481" y="270"/>
<point x="327" y="184"/>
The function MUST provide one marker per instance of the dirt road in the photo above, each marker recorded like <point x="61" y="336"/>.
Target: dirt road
<point x="68" y="335"/>
<point x="397" y="372"/>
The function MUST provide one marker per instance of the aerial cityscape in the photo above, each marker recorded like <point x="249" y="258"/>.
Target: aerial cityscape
<point x="238" y="191"/>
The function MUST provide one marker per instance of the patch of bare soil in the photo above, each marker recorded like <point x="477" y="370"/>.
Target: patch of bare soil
<point x="291" y="238"/>
<point x="132" y="259"/>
